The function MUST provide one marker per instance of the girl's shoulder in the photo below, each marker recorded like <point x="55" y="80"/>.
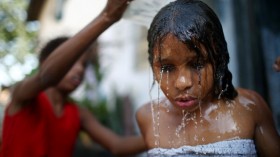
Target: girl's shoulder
<point x="252" y="101"/>
<point x="245" y="91"/>
<point x="148" y="107"/>
<point x="143" y="111"/>
<point x="248" y="95"/>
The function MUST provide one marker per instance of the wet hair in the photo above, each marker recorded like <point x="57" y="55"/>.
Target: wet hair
<point x="195" y="24"/>
<point x="50" y="47"/>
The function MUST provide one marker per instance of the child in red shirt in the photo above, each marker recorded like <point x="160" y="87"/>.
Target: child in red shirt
<point x="40" y="120"/>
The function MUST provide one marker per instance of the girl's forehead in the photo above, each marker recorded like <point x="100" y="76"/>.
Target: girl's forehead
<point x="170" y="38"/>
<point x="170" y="45"/>
<point x="171" y="42"/>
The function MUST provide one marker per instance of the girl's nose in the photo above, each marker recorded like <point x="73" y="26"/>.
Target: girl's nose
<point x="184" y="79"/>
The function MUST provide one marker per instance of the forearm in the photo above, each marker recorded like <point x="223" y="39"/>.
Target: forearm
<point x="62" y="59"/>
<point x="108" y="139"/>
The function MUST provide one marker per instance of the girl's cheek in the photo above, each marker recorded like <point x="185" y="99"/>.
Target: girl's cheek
<point x="168" y="81"/>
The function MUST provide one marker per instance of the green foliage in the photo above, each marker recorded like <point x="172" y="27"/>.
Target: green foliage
<point x="17" y="37"/>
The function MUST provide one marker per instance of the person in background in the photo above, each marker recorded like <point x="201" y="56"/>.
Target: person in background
<point x="276" y="65"/>
<point x="201" y="112"/>
<point x="41" y="120"/>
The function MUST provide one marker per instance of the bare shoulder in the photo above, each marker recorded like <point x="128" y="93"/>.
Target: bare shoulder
<point x="251" y="96"/>
<point x="265" y="132"/>
<point x="24" y="92"/>
<point x="256" y="103"/>
<point x="144" y="119"/>
<point x="143" y="113"/>
<point x="247" y="92"/>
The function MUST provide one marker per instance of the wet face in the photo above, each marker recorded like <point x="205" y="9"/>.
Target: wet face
<point x="75" y="75"/>
<point x="184" y="78"/>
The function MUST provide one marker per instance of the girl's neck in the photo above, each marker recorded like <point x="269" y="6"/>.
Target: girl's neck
<point x="57" y="100"/>
<point x="55" y="96"/>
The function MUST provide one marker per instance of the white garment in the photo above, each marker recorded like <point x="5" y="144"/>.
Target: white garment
<point x="230" y="148"/>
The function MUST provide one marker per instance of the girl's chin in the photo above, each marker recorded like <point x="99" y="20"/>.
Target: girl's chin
<point x="69" y="89"/>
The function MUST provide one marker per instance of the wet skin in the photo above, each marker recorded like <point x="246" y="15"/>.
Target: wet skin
<point x="189" y="115"/>
<point x="183" y="77"/>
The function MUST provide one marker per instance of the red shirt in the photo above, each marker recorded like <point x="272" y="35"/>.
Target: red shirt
<point x="35" y="131"/>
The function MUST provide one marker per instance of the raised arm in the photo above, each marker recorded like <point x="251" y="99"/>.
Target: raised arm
<point x="61" y="60"/>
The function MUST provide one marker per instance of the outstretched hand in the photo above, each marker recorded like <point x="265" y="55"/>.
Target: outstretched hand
<point x="115" y="8"/>
<point x="276" y="65"/>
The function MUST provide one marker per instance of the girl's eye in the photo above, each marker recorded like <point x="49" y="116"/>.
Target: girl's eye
<point x="167" y="68"/>
<point x="198" y="65"/>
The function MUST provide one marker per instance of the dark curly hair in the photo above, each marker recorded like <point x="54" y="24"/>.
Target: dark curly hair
<point x="194" y="23"/>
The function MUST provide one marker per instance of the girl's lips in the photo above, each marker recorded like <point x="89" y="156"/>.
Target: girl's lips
<point x="76" y="81"/>
<point x="185" y="101"/>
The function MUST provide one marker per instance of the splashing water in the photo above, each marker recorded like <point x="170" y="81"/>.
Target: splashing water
<point x="200" y="94"/>
<point x="156" y="117"/>
<point x="167" y="89"/>
<point x="186" y="118"/>
<point x="153" y="111"/>
<point x="182" y="126"/>
<point x="167" y="82"/>
<point x="222" y="92"/>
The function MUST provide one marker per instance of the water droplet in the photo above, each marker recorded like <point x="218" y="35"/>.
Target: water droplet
<point x="222" y="92"/>
<point x="195" y="138"/>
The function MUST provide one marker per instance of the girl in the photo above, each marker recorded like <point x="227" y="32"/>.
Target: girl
<point x="202" y="112"/>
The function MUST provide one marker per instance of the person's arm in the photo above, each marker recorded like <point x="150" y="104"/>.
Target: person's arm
<point x="276" y="64"/>
<point x="116" y="144"/>
<point x="266" y="136"/>
<point x="61" y="60"/>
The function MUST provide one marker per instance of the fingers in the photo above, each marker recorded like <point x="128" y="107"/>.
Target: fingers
<point x="276" y="65"/>
<point x="114" y="9"/>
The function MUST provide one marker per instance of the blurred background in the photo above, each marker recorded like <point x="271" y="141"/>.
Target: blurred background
<point x="119" y="78"/>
